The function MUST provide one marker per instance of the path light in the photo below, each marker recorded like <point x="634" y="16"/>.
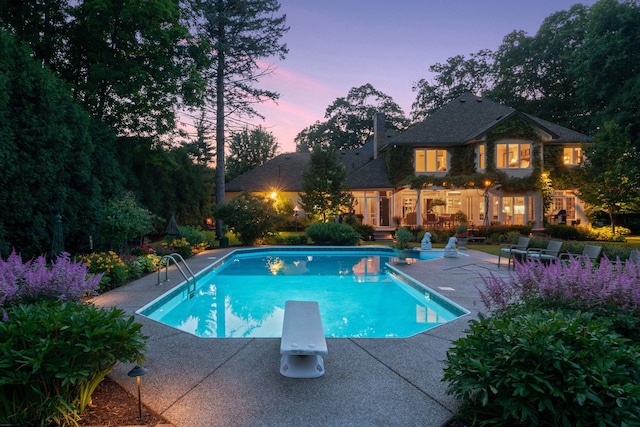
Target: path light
<point x="137" y="372"/>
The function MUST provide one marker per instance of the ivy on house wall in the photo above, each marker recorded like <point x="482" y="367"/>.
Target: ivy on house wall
<point x="399" y="161"/>
<point x="463" y="160"/>
<point x="561" y="175"/>
<point x="463" y="174"/>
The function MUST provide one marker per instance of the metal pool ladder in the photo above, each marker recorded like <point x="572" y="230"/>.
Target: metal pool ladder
<point x="190" y="280"/>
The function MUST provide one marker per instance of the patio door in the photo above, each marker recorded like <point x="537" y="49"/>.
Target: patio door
<point x="384" y="211"/>
<point x="371" y="208"/>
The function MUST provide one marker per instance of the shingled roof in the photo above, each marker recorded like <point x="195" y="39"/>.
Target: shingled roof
<point x="284" y="172"/>
<point x="468" y="118"/>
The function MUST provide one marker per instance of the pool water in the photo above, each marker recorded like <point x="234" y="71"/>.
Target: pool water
<point x="357" y="293"/>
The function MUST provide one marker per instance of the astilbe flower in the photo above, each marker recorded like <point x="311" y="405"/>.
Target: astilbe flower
<point x="34" y="279"/>
<point x="609" y="284"/>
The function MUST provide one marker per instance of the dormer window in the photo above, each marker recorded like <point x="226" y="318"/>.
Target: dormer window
<point x="513" y="156"/>
<point x="572" y="156"/>
<point x="430" y="160"/>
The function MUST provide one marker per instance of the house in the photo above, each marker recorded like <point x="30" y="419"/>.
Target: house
<point x="473" y="156"/>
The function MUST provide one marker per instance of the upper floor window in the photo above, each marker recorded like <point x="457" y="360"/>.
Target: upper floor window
<point x="431" y="160"/>
<point x="513" y="156"/>
<point x="482" y="161"/>
<point x="572" y="156"/>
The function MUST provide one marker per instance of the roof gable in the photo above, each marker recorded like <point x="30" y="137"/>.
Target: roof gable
<point x="469" y="118"/>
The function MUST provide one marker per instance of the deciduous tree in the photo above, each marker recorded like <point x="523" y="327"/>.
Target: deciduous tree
<point x="349" y="121"/>
<point x="250" y="149"/>
<point x="611" y="173"/>
<point x="452" y="79"/>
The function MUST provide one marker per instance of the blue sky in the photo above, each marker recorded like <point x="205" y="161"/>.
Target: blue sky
<point x="335" y="45"/>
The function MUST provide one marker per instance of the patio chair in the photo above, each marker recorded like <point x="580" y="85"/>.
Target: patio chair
<point x="551" y="253"/>
<point x="509" y="250"/>
<point x="590" y="252"/>
<point x="431" y="220"/>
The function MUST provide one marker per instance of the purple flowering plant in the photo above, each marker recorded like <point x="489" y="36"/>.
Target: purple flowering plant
<point x="609" y="284"/>
<point x="64" y="279"/>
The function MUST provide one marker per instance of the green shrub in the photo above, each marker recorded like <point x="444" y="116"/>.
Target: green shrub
<point x="365" y="231"/>
<point x="532" y="367"/>
<point x="111" y="265"/>
<point x="333" y="233"/>
<point x="148" y="263"/>
<point x="565" y="232"/>
<point x="53" y="354"/>
<point x="296" y="239"/>
<point x="605" y="234"/>
<point x="249" y="217"/>
<point x="178" y="245"/>
<point x="193" y="235"/>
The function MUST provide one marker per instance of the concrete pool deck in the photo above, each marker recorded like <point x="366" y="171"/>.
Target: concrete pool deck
<point x="210" y="382"/>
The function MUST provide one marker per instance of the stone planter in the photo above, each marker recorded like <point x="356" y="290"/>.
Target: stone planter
<point x="462" y="242"/>
<point x="402" y="255"/>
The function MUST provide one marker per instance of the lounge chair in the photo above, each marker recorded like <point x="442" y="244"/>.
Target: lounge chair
<point x="551" y="253"/>
<point x="590" y="252"/>
<point x="518" y="250"/>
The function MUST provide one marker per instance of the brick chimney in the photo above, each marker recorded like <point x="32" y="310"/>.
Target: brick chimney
<point x="379" y="136"/>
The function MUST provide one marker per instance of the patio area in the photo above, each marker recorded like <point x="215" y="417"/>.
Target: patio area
<point x="196" y="382"/>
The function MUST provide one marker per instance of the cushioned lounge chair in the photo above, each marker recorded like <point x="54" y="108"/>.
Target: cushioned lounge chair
<point x="518" y="250"/>
<point x="551" y="253"/>
<point x="590" y="252"/>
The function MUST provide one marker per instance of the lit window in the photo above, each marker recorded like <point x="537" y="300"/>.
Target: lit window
<point x="431" y="160"/>
<point x="513" y="156"/>
<point x="481" y="156"/>
<point x="572" y="156"/>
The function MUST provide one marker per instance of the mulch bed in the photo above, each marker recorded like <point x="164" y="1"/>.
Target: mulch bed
<point x="112" y="406"/>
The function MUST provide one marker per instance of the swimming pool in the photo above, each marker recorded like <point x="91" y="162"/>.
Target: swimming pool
<point x="359" y="292"/>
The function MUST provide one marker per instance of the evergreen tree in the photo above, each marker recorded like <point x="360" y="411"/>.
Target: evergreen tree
<point x="324" y="185"/>
<point x="240" y="32"/>
<point x="46" y="156"/>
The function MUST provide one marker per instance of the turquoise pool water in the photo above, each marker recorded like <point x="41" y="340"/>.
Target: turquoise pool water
<point x="358" y="292"/>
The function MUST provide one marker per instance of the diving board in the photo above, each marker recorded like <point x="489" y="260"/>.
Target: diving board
<point x="303" y="345"/>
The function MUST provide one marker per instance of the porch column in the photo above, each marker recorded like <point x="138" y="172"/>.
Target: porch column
<point x="418" y="208"/>
<point x="538" y="210"/>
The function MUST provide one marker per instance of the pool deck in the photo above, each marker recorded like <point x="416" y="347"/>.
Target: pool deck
<point x="210" y="382"/>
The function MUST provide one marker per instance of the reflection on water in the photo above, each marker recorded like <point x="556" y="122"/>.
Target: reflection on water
<point x="357" y="298"/>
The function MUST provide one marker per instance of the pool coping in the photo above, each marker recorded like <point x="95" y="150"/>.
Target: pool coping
<point x="181" y="290"/>
<point x="213" y="382"/>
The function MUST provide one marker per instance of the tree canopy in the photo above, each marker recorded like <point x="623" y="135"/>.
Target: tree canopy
<point x="349" y="121"/>
<point x="611" y="173"/>
<point x="250" y="149"/>
<point x="46" y="154"/>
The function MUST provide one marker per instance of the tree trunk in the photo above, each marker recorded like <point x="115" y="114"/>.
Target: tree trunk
<point x="613" y="225"/>
<point x="220" y="173"/>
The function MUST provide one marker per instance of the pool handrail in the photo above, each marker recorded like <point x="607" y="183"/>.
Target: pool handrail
<point x="172" y="257"/>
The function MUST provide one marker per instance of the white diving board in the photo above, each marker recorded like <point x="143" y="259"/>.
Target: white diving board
<point x="303" y="345"/>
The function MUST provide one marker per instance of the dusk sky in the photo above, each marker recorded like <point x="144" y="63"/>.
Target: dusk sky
<point x="335" y="45"/>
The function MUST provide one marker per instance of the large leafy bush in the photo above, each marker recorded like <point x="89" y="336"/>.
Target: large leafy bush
<point x="53" y="354"/>
<point x="54" y="349"/>
<point x="333" y="233"/>
<point x="249" y="216"/>
<point x="525" y="367"/>
<point x="561" y="347"/>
